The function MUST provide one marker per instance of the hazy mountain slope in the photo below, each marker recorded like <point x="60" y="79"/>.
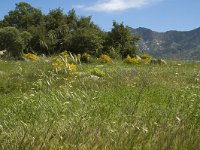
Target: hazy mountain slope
<point x="170" y="44"/>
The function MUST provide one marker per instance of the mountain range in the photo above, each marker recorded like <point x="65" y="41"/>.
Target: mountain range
<point x="171" y="44"/>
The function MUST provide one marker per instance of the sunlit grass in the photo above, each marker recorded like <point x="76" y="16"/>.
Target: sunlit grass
<point x="129" y="107"/>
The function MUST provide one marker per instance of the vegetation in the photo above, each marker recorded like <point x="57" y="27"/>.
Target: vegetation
<point x="53" y="33"/>
<point x="109" y="106"/>
<point x="79" y="95"/>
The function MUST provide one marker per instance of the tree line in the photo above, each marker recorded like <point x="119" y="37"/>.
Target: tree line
<point x="27" y="30"/>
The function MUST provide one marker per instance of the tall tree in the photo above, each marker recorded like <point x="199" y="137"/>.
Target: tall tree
<point x="121" y="39"/>
<point x="12" y="41"/>
<point x="72" y="20"/>
<point x="23" y="16"/>
<point x="87" y="40"/>
<point x="55" y="18"/>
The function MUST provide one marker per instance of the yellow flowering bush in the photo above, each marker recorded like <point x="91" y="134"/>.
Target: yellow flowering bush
<point x="30" y="56"/>
<point x="65" y="54"/>
<point x="86" y="57"/>
<point x="131" y="60"/>
<point x="146" y="56"/>
<point x="57" y="64"/>
<point x="97" y="72"/>
<point x="61" y="63"/>
<point x="72" y="67"/>
<point x="105" y="59"/>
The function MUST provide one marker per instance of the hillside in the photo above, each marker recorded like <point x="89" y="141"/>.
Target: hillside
<point x="170" y="44"/>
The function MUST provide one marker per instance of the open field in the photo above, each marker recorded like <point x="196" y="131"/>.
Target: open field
<point x="129" y="107"/>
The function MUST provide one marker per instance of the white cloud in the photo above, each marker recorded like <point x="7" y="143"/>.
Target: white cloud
<point x="116" y="5"/>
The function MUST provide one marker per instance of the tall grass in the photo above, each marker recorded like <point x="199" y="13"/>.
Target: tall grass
<point x="131" y="107"/>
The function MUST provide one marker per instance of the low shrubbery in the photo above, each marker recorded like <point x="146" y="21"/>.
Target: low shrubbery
<point x="131" y="60"/>
<point x="64" y="62"/>
<point x="105" y="59"/>
<point x="30" y="56"/>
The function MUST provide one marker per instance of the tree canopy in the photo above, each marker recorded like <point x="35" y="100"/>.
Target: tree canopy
<point x="29" y="30"/>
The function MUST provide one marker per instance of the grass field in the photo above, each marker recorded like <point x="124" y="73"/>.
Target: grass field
<point x="154" y="107"/>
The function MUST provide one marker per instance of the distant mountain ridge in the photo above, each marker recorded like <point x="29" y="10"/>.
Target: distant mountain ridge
<point x="170" y="44"/>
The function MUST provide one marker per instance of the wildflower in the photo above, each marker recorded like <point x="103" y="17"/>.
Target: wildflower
<point x="146" y="56"/>
<point x="72" y="67"/>
<point x="131" y="60"/>
<point x="30" y="56"/>
<point x="105" y="59"/>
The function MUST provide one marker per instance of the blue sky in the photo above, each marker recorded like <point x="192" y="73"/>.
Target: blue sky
<point x="158" y="15"/>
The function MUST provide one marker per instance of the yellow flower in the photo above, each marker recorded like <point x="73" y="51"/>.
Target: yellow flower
<point x="30" y="56"/>
<point x="131" y="60"/>
<point x="72" y="67"/>
<point x="105" y="59"/>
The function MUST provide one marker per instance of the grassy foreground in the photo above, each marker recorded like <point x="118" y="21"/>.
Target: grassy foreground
<point x="131" y="107"/>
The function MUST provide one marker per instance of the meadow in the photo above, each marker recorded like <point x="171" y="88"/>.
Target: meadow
<point x="101" y="106"/>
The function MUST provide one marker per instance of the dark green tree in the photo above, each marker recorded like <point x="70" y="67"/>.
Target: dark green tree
<point x="87" y="40"/>
<point x="121" y="39"/>
<point x="55" y="18"/>
<point x="11" y="40"/>
<point x="23" y="16"/>
<point x="72" y="20"/>
<point x="38" y="42"/>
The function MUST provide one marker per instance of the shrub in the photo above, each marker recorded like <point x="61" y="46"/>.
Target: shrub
<point x="11" y="40"/>
<point x="64" y="62"/>
<point x="131" y="60"/>
<point x="105" y="59"/>
<point x="97" y="72"/>
<point x="72" y="67"/>
<point x="30" y="56"/>
<point x="65" y="54"/>
<point x="146" y="56"/>
<point x="86" y="58"/>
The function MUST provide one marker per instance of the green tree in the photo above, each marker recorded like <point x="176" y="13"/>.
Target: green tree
<point x="72" y="20"/>
<point x="11" y="40"/>
<point x="26" y="36"/>
<point x="121" y="39"/>
<point x="23" y="16"/>
<point x="55" y="18"/>
<point x="39" y="40"/>
<point x="83" y="40"/>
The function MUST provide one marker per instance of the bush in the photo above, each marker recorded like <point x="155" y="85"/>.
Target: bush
<point x="11" y="40"/>
<point x="131" y="60"/>
<point x="97" y="72"/>
<point x="64" y="62"/>
<point x="105" y="59"/>
<point x="146" y="56"/>
<point x="30" y="56"/>
<point x="86" y="58"/>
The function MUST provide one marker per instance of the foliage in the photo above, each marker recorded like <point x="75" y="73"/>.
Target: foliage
<point x="30" y="56"/>
<point x="23" y="16"/>
<point x="121" y="38"/>
<point x="11" y="40"/>
<point x="105" y="59"/>
<point x="50" y="34"/>
<point x="85" y="40"/>
<point x="64" y="63"/>
<point x="97" y="72"/>
<point x="131" y="60"/>
<point x="86" y="58"/>
<point x="146" y="56"/>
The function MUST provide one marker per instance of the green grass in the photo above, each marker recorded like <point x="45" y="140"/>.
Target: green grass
<point x="131" y="107"/>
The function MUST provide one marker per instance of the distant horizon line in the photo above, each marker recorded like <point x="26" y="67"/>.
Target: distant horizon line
<point x="170" y="30"/>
